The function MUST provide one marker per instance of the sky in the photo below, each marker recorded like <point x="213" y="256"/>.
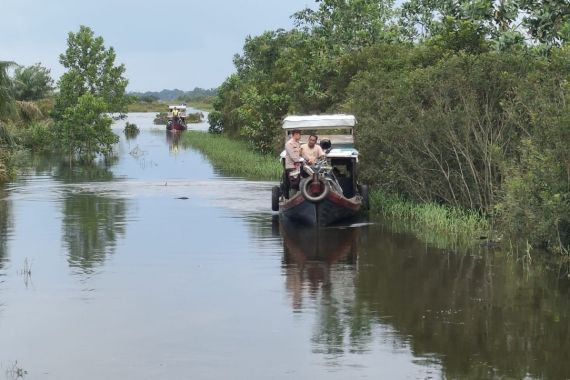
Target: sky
<point x="164" y="44"/>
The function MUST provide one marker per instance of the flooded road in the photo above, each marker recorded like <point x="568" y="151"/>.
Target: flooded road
<point x="158" y="267"/>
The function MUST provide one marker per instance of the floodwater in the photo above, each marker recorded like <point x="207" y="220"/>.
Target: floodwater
<point x="159" y="267"/>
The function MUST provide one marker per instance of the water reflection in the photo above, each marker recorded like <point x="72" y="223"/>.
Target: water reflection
<point x="5" y="226"/>
<point x="59" y="169"/>
<point x="92" y="221"/>
<point x="483" y="316"/>
<point x="173" y="139"/>
<point x="91" y="226"/>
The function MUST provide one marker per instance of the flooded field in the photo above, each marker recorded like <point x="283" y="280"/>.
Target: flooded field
<point x="158" y="267"/>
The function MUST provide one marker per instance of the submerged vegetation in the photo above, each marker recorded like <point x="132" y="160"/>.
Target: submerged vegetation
<point x="466" y="106"/>
<point x="131" y="130"/>
<point x="233" y="157"/>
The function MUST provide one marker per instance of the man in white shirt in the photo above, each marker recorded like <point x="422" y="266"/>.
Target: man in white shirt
<point x="292" y="162"/>
<point x="311" y="151"/>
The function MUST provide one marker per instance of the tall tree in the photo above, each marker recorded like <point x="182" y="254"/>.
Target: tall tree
<point x="348" y="24"/>
<point x="91" y="69"/>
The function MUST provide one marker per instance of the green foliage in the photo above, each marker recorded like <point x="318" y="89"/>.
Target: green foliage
<point x="32" y="82"/>
<point x="443" y="226"/>
<point x="7" y="147"/>
<point x="234" y="157"/>
<point x="84" y="131"/>
<point x="460" y="103"/>
<point x="194" y="117"/>
<point x="144" y="106"/>
<point x="90" y="69"/>
<point x="131" y="130"/>
<point x="7" y="106"/>
<point x="348" y="25"/>
<point x="161" y="118"/>
<point x="37" y="136"/>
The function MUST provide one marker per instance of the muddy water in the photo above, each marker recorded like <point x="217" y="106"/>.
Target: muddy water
<point x="158" y="267"/>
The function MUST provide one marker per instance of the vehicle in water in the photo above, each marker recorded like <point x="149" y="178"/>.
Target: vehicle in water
<point x="177" y="117"/>
<point x="329" y="190"/>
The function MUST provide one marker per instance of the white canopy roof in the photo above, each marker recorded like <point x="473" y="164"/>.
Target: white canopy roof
<point x="179" y="106"/>
<point x="319" y="121"/>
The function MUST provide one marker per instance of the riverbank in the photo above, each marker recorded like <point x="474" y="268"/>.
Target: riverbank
<point x="441" y="226"/>
<point x="233" y="157"/>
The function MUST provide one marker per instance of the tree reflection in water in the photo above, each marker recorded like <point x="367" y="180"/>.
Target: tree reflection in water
<point x="5" y="225"/>
<point x="92" y="223"/>
<point x="477" y="314"/>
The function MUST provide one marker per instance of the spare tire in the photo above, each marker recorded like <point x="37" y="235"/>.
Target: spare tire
<point x="308" y="195"/>
<point x="275" y="194"/>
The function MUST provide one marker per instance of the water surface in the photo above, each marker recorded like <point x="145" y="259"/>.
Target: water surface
<point x="159" y="267"/>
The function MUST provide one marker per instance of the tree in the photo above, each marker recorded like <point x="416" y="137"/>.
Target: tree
<point x="7" y="107"/>
<point x="348" y="24"/>
<point x="32" y="82"/>
<point x="91" y="69"/>
<point x="84" y="131"/>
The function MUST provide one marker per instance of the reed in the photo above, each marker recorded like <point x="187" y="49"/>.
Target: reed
<point x="443" y="226"/>
<point x="234" y="157"/>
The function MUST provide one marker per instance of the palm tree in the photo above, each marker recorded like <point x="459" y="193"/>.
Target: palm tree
<point x="7" y="107"/>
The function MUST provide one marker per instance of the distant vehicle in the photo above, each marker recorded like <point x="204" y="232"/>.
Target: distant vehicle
<point x="329" y="190"/>
<point x="177" y="117"/>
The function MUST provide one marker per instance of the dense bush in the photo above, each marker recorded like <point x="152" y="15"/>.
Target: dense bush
<point x="453" y="106"/>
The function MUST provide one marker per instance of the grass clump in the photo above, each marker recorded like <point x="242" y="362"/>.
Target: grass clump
<point x="234" y="157"/>
<point x="440" y="225"/>
<point x="131" y="130"/>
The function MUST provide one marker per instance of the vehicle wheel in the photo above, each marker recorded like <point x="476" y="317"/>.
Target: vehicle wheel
<point x="275" y="194"/>
<point x="304" y="186"/>
<point x="363" y="190"/>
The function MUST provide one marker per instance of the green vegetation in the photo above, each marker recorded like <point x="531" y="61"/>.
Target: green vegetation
<point x="194" y="117"/>
<point x="161" y="118"/>
<point x="464" y="105"/>
<point x="80" y="125"/>
<point x="84" y="131"/>
<point x="139" y="106"/>
<point x="90" y="69"/>
<point x="439" y="225"/>
<point x="32" y="82"/>
<point x="131" y="130"/>
<point x="91" y="88"/>
<point x="232" y="157"/>
<point x="204" y="104"/>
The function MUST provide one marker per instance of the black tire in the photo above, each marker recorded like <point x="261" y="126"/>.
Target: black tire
<point x="315" y="199"/>
<point x="363" y="190"/>
<point x="275" y="194"/>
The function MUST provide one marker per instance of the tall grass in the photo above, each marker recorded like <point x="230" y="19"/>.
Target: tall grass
<point x="234" y="157"/>
<point x="442" y="226"/>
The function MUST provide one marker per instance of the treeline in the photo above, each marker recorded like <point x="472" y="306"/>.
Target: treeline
<point x="463" y="103"/>
<point x="176" y="94"/>
<point x="25" y="93"/>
